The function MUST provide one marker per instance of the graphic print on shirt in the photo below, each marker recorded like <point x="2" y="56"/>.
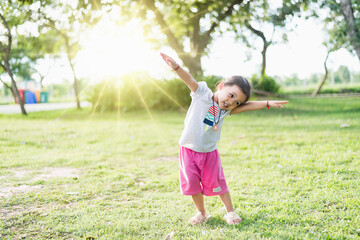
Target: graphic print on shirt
<point x="210" y="117"/>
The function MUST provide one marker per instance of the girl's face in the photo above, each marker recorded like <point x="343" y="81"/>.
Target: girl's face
<point x="229" y="97"/>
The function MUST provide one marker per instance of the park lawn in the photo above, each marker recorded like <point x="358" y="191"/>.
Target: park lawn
<point x="293" y="174"/>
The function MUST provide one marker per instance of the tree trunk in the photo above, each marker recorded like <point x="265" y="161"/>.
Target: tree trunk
<point x="193" y="64"/>
<point x="263" y="53"/>
<point x="7" y="68"/>
<point x="266" y="44"/>
<point x="76" y="88"/>
<point x="348" y="14"/>
<point x="69" y="57"/>
<point x="15" y="90"/>
<point x="316" y="91"/>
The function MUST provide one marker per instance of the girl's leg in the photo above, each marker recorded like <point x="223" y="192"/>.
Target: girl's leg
<point x="226" y="199"/>
<point x="231" y="217"/>
<point x="199" y="203"/>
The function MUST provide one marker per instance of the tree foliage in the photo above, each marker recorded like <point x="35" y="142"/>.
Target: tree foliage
<point x="188" y="27"/>
<point x="343" y="24"/>
<point x="12" y="18"/>
<point x="71" y="18"/>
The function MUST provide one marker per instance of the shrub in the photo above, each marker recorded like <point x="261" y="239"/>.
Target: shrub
<point x="212" y="81"/>
<point x="103" y="95"/>
<point x="131" y="91"/>
<point x="265" y="83"/>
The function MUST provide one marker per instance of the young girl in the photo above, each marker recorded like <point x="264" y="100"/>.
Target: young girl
<point x="201" y="172"/>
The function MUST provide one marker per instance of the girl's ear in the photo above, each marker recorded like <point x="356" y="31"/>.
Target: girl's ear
<point x="221" y="85"/>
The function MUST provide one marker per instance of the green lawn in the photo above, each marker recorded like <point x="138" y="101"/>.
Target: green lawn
<point x="294" y="173"/>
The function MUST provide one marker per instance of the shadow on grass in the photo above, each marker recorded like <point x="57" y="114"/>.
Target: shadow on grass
<point x="217" y="221"/>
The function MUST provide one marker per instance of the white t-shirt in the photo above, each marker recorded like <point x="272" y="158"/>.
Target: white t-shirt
<point x="199" y="134"/>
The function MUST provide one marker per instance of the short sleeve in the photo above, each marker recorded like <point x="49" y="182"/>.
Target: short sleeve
<point x="201" y="90"/>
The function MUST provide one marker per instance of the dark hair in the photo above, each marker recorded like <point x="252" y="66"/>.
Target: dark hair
<point x="242" y="83"/>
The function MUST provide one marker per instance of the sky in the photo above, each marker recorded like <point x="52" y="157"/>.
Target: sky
<point x="110" y="50"/>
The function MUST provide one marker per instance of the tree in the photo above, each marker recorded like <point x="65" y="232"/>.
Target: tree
<point x="343" y="23"/>
<point x="317" y="90"/>
<point x="332" y="44"/>
<point x="259" y="16"/>
<point x="71" y="49"/>
<point x="42" y="76"/>
<point x="71" y="19"/>
<point x="22" y="46"/>
<point x="6" y="43"/>
<point x="353" y="25"/>
<point x="342" y="75"/>
<point x="188" y="26"/>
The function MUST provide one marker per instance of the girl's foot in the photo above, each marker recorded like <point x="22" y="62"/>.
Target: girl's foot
<point x="199" y="219"/>
<point x="232" y="218"/>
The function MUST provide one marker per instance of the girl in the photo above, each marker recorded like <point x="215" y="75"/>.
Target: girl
<point x="201" y="172"/>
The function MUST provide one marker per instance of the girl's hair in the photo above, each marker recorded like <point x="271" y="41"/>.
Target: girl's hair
<point x="242" y="83"/>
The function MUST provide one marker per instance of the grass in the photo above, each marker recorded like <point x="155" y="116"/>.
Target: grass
<point x="326" y="89"/>
<point x="293" y="174"/>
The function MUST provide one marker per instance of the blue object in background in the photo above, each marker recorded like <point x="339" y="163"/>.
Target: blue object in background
<point x="43" y="97"/>
<point x="30" y="97"/>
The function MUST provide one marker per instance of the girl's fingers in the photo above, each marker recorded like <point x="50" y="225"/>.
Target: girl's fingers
<point x="165" y="57"/>
<point x="278" y="104"/>
<point x="170" y="63"/>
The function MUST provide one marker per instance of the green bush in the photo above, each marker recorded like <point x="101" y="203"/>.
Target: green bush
<point x="104" y="95"/>
<point x="133" y="91"/>
<point x="212" y="81"/>
<point x="265" y="83"/>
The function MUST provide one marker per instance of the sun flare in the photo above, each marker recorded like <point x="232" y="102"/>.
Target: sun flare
<point x="112" y="50"/>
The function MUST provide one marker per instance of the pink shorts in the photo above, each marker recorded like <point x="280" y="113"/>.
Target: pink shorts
<point x="201" y="172"/>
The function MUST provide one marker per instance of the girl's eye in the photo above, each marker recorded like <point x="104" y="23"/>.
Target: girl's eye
<point x="231" y="95"/>
<point x="237" y="103"/>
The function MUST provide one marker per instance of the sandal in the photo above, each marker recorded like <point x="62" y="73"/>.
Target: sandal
<point x="232" y="218"/>
<point x="199" y="219"/>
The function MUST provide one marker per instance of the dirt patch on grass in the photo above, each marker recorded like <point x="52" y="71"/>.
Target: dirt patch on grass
<point x="21" y="173"/>
<point x="46" y="173"/>
<point x="43" y="210"/>
<point x="53" y="172"/>
<point x="42" y="174"/>
<point x="9" y="191"/>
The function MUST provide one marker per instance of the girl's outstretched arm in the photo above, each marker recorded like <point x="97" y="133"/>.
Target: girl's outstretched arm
<point x="182" y="73"/>
<point x="257" y="105"/>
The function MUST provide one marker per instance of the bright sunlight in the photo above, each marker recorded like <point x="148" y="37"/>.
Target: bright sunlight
<point x="113" y="50"/>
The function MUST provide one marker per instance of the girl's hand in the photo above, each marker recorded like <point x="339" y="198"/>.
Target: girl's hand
<point x="171" y="62"/>
<point x="277" y="104"/>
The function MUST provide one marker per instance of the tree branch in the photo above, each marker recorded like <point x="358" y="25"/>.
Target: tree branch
<point x="221" y="17"/>
<point x="164" y="26"/>
<point x="7" y="49"/>
<point x="5" y="84"/>
<point x="257" y="32"/>
<point x="9" y="87"/>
